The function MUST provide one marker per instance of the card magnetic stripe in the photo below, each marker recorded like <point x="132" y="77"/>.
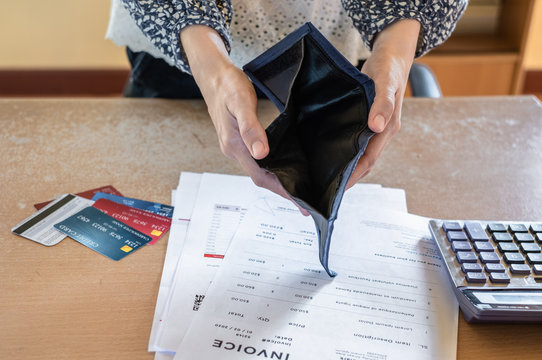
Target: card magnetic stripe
<point x="27" y="225"/>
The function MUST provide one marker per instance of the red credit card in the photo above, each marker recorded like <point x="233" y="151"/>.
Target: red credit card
<point x="146" y="222"/>
<point x="87" y="194"/>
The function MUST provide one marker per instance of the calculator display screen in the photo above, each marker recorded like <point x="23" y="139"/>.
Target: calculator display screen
<point x="509" y="297"/>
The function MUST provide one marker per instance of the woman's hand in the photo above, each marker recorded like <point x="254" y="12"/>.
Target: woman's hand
<point x="231" y="102"/>
<point x="231" y="99"/>
<point x="388" y="66"/>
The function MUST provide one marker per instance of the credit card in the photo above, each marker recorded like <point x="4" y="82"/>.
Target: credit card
<point x="148" y="223"/>
<point x="39" y="226"/>
<point x="102" y="233"/>
<point x="155" y="208"/>
<point x="108" y="189"/>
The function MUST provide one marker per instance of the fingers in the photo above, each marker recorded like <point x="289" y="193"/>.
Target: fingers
<point x="266" y="180"/>
<point x="367" y="161"/>
<point x="359" y="172"/>
<point x="302" y="210"/>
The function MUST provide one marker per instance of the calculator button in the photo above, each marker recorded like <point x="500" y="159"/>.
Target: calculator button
<point x="475" y="231"/>
<point x="497" y="277"/>
<point x="520" y="269"/>
<point x="471" y="267"/>
<point x="451" y="226"/>
<point x="518" y="228"/>
<point x="530" y="247"/>
<point x="506" y="246"/>
<point x="498" y="237"/>
<point x="461" y="246"/>
<point x="489" y="257"/>
<point x="483" y="246"/>
<point x="536" y="228"/>
<point x="476" y="277"/>
<point x="513" y="258"/>
<point x="523" y="237"/>
<point x="537" y="268"/>
<point x="534" y="258"/>
<point x="466" y="256"/>
<point x="496" y="227"/>
<point x="456" y="236"/>
<point x="491" y="267"/>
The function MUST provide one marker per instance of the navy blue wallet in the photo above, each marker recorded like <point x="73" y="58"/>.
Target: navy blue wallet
<point x="321" y="132"/>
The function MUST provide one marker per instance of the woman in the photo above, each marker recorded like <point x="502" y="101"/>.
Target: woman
<point x="204" y="39"/>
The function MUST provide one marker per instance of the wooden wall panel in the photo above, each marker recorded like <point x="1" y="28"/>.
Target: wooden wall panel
<point x="473" y="75"/>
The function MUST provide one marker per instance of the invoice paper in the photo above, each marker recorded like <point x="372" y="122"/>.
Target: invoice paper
<point x="184" y="199"/>
<point x="220" y="206"/>
<point x="272" y="299"/>
<point x="221" y="203"/>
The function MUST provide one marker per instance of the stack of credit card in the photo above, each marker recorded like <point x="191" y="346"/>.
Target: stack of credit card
<point x="101" y="219"/>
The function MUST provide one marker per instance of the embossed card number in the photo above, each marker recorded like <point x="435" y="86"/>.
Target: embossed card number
<point x="103" y="233"/>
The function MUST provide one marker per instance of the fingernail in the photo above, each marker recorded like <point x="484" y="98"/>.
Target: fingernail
<point x="258" y="149"/>
<point x="379" y="122"/>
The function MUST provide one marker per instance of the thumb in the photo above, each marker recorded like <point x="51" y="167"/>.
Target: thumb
<point x="381" y="110"/>
<point x="253" y="134"/>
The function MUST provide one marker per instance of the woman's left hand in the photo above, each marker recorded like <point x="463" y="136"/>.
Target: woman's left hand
<point x="389" y="65"/>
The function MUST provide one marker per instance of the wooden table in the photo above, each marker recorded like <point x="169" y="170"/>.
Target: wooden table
<point x="471" y="158"/>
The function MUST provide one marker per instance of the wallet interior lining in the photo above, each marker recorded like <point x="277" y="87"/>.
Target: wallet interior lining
<point x="315" y="138"/>
<point x="279" y="74"/>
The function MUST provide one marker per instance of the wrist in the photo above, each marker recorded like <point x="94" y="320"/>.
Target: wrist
<point x="399" y="38"/>
<point x="206" y="53"/>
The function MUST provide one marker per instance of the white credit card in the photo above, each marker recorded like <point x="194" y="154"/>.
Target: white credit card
<point x="39" y="226"/>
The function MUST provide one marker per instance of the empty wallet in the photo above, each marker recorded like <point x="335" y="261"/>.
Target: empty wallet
<point x="321" y="132"/>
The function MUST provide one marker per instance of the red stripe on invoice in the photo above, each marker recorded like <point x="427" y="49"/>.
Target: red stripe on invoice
<point x="214" y="256"/>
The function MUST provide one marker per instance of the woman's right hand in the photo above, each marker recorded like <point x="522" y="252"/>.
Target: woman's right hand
<point x="231" y="102"/>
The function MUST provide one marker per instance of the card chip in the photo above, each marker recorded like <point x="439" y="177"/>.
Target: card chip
<point x="126" y="248"/>
<point x="156" y="233"/>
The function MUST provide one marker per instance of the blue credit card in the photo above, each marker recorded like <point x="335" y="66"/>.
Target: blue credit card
<point x="155" y="208"/>
<point x="102" y="233"/>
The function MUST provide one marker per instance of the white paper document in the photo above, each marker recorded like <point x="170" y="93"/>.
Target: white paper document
<point x="219" y="207"/>
<point x="184" y="199"/>
<point x="272" y="299"/>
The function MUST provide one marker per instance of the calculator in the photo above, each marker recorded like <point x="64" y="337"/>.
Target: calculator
<point x="495" y="268"/>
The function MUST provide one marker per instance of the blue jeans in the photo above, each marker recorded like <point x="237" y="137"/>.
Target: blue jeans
<point x="154" y="78"/>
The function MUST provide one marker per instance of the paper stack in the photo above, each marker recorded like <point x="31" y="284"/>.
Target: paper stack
<point x="242" y="280"/>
